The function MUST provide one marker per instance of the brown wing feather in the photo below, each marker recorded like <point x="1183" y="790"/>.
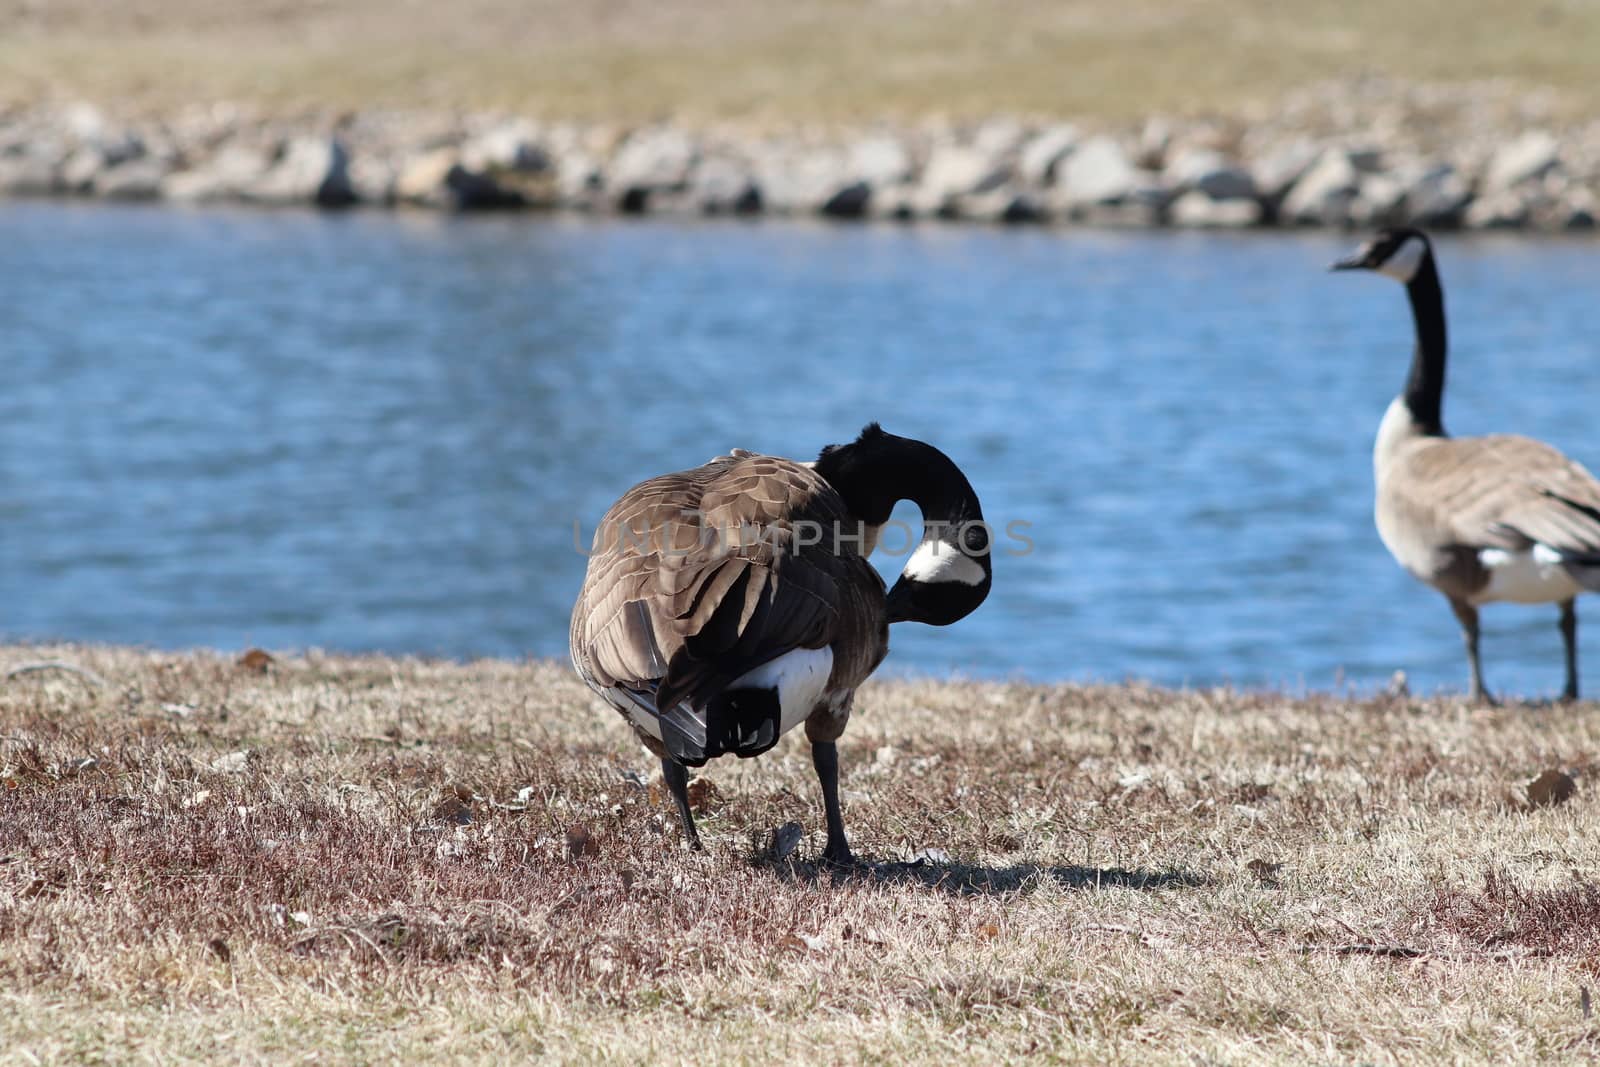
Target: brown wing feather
<point x="696" y="577"/>
<point x="1502" y="491"/>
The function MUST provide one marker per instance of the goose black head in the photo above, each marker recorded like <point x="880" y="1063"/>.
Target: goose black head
<point x="1398" y="252"/>
<point x="949" y="573"/>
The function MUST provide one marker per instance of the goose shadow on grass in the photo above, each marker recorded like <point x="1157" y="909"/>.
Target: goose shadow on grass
<point x="968" y="880"/>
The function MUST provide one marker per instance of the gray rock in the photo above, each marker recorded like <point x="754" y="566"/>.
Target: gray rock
<point x="1144" y="203"/>
<point x="999" y="138"/>
<point x="1197" y="210"/>
<point x="422" y="179"/>
<point x="849" y="202"/>
<point x="1565" y="207"/>
<point x="652" y="160"/>
<point x="724" y="186"/>
<point x="960" y="170"/>
<point x="1097" y="172"/>
<point x="900" y="203"/>
<point x="1578" y="211"/>
<point x="312" y="170"/>
<point x="880" y="160"/>
<point x="468" y="190"/>
<point x="1208" y="172"/>
<point x="77" y="175"/>
<point x="137" y="179"/>
<point x="1508" y="209"/>
<point x="1365" y="159"/>
<point x="799" y="180"/>
<point x="373" y="178"/>
<point x="224" y="176"/>
<point x="1007" y="204"/>
<point x="1041" y="155"/>
<point x="83" y="121"/>
<point x="508" y="147"/>
<point x="1155" y="140"/>
<point x="1325" y="192"/>
<point x="31" y="174"/>
<point x="1380" y="201"/>
<point x="1437" y="197"/>
<point x="1276" y="170"/>
<point x="1529" y="158"/>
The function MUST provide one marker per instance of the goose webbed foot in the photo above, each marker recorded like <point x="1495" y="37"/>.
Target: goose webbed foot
<point x="677" y="779"/>
<point x="837" y="856"/>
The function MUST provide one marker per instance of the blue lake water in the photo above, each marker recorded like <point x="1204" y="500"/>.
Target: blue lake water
<point x="376" y="432"/>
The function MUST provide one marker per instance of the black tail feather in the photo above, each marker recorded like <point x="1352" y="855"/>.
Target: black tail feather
<point x="743" y="722"/>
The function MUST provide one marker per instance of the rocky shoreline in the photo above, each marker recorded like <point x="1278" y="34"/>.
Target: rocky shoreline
<point x="1358" y="157"/>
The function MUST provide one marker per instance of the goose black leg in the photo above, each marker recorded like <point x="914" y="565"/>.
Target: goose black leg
<point x="677" y="779"/>
<point x="825" y="757"/>
<point x="1569" y="637"/>
<point x="1467" y="615"/>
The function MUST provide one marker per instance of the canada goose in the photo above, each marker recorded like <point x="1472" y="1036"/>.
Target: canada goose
<point x="1478" y="518"/>
<point x="725" y="605"/>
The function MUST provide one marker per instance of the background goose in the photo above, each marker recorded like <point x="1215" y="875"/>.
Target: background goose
<point x="1478" y="518"/>
<point x="725" y="605"/>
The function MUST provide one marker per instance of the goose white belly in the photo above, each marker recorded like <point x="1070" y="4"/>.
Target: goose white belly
<point x="801" y="679"/>
<point x="1536" y="576"/>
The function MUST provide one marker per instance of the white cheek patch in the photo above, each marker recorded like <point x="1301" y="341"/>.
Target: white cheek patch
<point x="1403" y="262"/>
<point x="938" y="561"/>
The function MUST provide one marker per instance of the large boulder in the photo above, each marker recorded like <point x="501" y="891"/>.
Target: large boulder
<point x="137" y="179"/>
<point x="1098" y="172"/>
<point x="800" y="179"/>
<point x="1196" y="209"/>
<point x="956" y="170"/>
<point x="421" y="179"/>
<point x="900" y="203"/>
<point x="1380" y="201"/>
<point x="374" y="177"/>
<point x="723" y="185"/>
<point x="849" y="202"/>
<point x="29" y="174"/>
<point x="1325" y="192"/>
<point x="1208" y="172"/>
<point x="1041" y="155"/>
<point x="1276" y="169"/>
<point x="1576" y="208"/>
<point x="1529" y="158"/>
<point x="1507" y="209"/>
<point x="225" y="175"/>
<point x="1005" y="204"/>
<point x="1437" y="197"/>
<point x="879" y="160"/>
<point x="651" y="161"/>
<point x="512" y="147"/>
<point x="78" y="173"/>
<point x="311" y="170"/>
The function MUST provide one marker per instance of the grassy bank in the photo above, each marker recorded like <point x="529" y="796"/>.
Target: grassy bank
<point x="372" y="858"/>
<point x="828" y="59"/>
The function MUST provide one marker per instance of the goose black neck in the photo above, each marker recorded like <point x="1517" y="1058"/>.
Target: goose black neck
<point x="878" y="470"/>
<point x="1424" y="393"/>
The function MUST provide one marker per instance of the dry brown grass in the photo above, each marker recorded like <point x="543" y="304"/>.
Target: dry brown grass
<point x="827" y="59"/>
<point x="372" y="859"/>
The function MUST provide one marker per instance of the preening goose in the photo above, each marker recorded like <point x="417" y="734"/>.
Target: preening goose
<point x="727" y="604"/>
<point x="1478" y="518"/>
